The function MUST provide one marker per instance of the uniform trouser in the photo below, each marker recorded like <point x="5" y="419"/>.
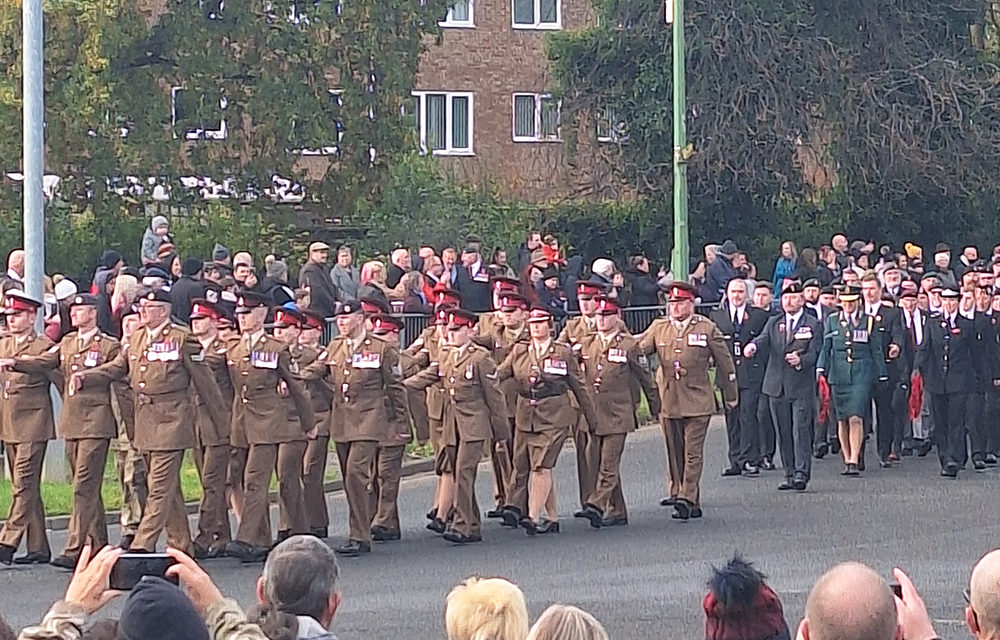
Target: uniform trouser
<point x="793" y="416"/>
<point x="385" y="486"/>
<point x="517" y="485"/>
<point x="465" y="458"/>
<point x="891" y="411"/>
<point x="948" y="410"/>
<point x="767" y="441"/>
<point x="606" y="456"/>
<point x="212" y="463"/>
<point x="131" y="468"/>
<point x="263" y="459"/>
<point x="824" y="431"/>
<point x="236" y="474"/>
<point x="88" y="523"/>
<point x="437" y="438"/>
<point x="742" y="430"/>
<point x="313" y="482"/>
<point x="586" y="473"/>
<point x="685" y="439"/>
<point x="975" y="424"/>
<point x="165" y="504"/>
<point x="357" y="463"/>
<point x="991" y="417"/>
<point x="503" y="465"/>
<point x="27" y="513"/>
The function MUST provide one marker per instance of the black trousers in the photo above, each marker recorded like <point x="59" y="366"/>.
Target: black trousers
<point x="742" y="429"/>
<point x="949" y="427"/>
<point x="991" y="420"/>
<point x="975" y="424"/>
<point x="767" y="442"/>
<point x="891" y="413"/>
<point x="794" y="417"/>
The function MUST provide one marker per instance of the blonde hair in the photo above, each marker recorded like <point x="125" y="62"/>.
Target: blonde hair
<point x="566" y="622"/>
<point x="125" y="292"/>
<point x="486" y="609"/>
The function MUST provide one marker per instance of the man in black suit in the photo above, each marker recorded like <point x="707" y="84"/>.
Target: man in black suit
<point x="991" y="357"/>
<point x="890" y="396"/>
<point x="792" y="340"/>
<point x="811" y="290"/>
<point x="740" y="323"/>
<point x="824" y="432"/>
<point x="762" y="300"/>
<point x="948" y="364"/>
<point x="913" y="324"/>
<point x="473" y="282"/>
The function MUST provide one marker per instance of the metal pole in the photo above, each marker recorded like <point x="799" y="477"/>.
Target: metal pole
<point x="679" y="263"/>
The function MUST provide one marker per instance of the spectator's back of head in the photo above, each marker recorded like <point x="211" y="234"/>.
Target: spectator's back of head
<point x="740" y="606"/>
<point x="850" y="602"/>
<point x="983" y="612"/>
<point x="157" y="610"/>
<point x="566" y="622"/>
<point x="301" y="578"/>
<point x="486" y="609"/>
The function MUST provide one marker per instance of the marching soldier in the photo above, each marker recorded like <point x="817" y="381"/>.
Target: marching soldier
<point x="368" y="397"/>
<point x="890" y="394"/>
<point x="488" y="322"/>
<point x="547" y="373"/>
<point x="616" y="375"/>
<point x="211" y="455"/>
<point x="576" y="333"/>
<point x="26" y="426"/>
<point x="851" y="359"/>
<point x="163" y="363"/>
<point x="262" y="372"/>
<point x="129" y="463"/>
<point x="85" y="422"/>
<point x="318" y="450"/>
<point x="686" y="345"/>
<point x="474" y="414"/>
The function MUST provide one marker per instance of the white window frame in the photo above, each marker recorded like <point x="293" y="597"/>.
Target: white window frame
<point x="607" y="117"/>
<point x="197" y="134"/>
<point x="450" y="23"/>
<point x="539" y="98"/>
<point x="449" y="150"/>
<point x="537" y="24"/>
<point x="326" y="150"/>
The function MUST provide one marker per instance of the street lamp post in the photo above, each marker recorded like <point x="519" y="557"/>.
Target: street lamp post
<point x="679" y="263"/>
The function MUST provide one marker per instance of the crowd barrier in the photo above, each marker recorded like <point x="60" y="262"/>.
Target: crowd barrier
<point x="637" y="319"/>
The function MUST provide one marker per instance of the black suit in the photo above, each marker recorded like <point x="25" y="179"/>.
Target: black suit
<point x="477" y="296"/>
<point x="990" y="345"/>
<point x="823" y="432"/>
<point x="890" y="396"/>
<point x="792" y="391"/>
<point x="741" y="422"/>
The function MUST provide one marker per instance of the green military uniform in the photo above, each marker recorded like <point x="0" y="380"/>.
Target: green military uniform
<point x="851" y="359"/>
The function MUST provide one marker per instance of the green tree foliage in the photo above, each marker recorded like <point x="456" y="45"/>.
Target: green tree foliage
<point x="806" y="115"/>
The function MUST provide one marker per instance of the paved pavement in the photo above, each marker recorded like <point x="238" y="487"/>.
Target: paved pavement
<point x="646" y="580"/>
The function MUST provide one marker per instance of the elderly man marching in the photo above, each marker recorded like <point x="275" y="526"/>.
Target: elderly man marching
<point x="687" y="344"/>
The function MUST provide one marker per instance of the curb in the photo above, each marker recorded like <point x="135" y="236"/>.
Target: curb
<point x="416" y="467"/>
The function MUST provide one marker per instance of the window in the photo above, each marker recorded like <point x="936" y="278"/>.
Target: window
<point x="536" y="14"/>
<point x="185" y="109"/>
<point x="610" y="127"/>
<point x="459" y="15"/>
<point x="444" y="121"/>
<point x="536" y="117"/>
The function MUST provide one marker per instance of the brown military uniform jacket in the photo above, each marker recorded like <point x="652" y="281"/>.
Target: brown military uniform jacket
<point x="545" y="386"/>
<point x="616" y="375"/>
<point x="426" y="349"/>
<point x="686" y="354"/>
<point x="488" y="324"/>
<point x="475" y="409"/>
<point x="162" y="367"/>
<point x="320" y="391"/>
<point x="267" y="417"/>
<point x="401" y="430"/>
<point x="26" y="407"/>
<point x="216" y="355"/>
<point x="86" y="413"/>
<point x="368" y="393"/>
<point x="501" y="342"/>
<point x="576" y="332"/>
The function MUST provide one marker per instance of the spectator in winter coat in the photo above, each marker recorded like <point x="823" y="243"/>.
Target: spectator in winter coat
<point x="550" y="295"/>
<point x="154" y="236"/>
<point x="785" y="264"/>
<point x="346" y="277"/>
<point x="414" y="298"/>
<point x="188" y="287"/>
<point x="645" y="289"/>
<point x="315" y="276"/>
<point x="719" y="273"/>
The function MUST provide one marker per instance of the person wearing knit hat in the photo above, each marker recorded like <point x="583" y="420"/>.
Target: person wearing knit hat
<point x="740" y="606"/>
<point x="189" y="287"/>
<point x="220" y="254"/>
<point x="158" y="610"/>
<point x="154" y="236"/>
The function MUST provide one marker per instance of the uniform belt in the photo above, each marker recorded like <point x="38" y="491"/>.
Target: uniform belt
<point x="540" y="394"/>
<point x="159" y="398"/>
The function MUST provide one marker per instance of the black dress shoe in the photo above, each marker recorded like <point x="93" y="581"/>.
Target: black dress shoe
<point x="884" y="464"/>
<point x="846" y="471"/>
<point x="460" y="538"/>
<point x="668" y="502"/>
<point x="529" y="525"/>
<point x="682" y="511"/>
<point x="853" y="471"/>
<point x="695" y="512"/>
<point x="750" y="469"/>
<point x="595" y="515"/>
<point x="990" y="459"/>
<point x="320" y="532"/>
<point x="906" y="452"/>
<point x="861" y="464"/>
<point x="64" y="562"/>
<point x="200" y="553"/>
<point x="767" y="464"/>
<point x="580" y="513"/>
<point x="924" y="449"/>
<point x="786" y="485"/>
<point x="821" y="451"/>
<point x="255" y="555"/>
<point x="495" y="513"/>
<point x="237" y="549"/>
<point x="548" y="526"/>
<point x="511" y="517"/>
<point x="126" y="541"/>
<point x="799" y="485"/>
<point x="36" y="557"/>
<point x="616" y="521"/>
<point x="437" y="526"/>
<point x="432" y="514"/>
<point x="352" y="549"/>
<point x="835" y="447"/>
<point x="6" y="554"/>
<point x="979" y="465"/>
<point x="950" y="471"/>
<point x="731" y="471"/>
<point x="384" y="534"/>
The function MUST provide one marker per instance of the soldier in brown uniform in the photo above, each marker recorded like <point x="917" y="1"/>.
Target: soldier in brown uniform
<point x="475" y="413"/>
<point x="85" y="422"/>
<point x="26" y="426"/>
<point x="211" y="456"/>
<point x="576" y="333"/>
<point x="163" y="363"/>
<point x="318" y="450"/>
<point x="611" y="362"/>
<point x="389" y="463"/>
<point x="368" y="396"/>
<point x="129" y="463"/>
<point x="263" y="380"/>
<point x="547" y="373"/>
<point x="687" y="344"/>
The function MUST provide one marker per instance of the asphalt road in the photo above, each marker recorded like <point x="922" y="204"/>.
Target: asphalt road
<point x="647" y="580"/>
